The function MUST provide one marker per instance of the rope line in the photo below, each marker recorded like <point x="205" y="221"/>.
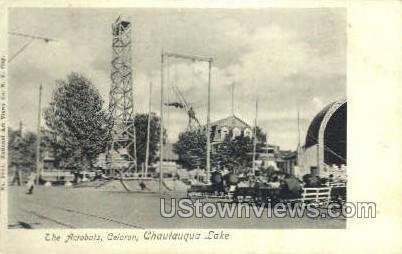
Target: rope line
<point x="21" y="49"/>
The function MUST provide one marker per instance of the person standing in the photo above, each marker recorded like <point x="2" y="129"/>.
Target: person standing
<point x="17" y="175"/>
<point x="31" y="182"/>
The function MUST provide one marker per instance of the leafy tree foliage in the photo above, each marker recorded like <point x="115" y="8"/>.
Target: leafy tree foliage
<point x="21" y="150"/>
<point x="191" y="148"/>
<point x="233" y="153"/>
<point x="230" y="153"/>
<point x="76" y="122"/>
<point x="141" y="123"/>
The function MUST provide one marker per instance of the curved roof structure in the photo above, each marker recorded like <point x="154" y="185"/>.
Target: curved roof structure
<point x="312" y="136"/>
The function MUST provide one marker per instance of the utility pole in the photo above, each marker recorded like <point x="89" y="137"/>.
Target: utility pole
<point x="233" y="98"/>
<point x="38" y="166"/>
<point x="298" y="151"/>
<point x="148" y="129"/>
<point x="255" y="134"/>
<point x="20" y="130"/>
<point x="298" y="128"/>
<point x="161" y="130"/>
<point x="208" y="164"/>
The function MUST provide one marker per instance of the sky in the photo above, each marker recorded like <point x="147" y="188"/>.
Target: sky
<point x="289" y="59"/>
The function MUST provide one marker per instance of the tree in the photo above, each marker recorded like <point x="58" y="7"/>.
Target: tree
<point x="141" y="123"/>
<point x="261" y="135"/>
<point x="22" y="150"/>
<point x="76" y="122"/>
<point x="232" y="153"/>
<point x="191" y="148"/>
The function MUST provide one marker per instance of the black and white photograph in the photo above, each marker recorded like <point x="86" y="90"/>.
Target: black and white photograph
<point x="200" y="126"/>
<point x="177" y="118"/>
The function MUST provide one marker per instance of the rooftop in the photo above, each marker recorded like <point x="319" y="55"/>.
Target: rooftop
<point x="314" y="128"/>
<point x="231" y="121"/>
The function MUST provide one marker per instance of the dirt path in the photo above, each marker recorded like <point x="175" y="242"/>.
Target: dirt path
<point x="60" y="207"/>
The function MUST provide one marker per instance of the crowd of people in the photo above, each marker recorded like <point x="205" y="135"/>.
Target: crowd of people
<point x="287" y="185"/>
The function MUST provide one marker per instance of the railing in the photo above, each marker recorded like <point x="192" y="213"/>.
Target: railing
<point x="321" y="195"/>
<point x="338" y="184"/>
<point x="57" y="176"/>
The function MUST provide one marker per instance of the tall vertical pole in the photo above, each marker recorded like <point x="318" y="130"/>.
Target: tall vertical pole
<point x="233" y="98"/>
<point x="135" y="145"/>
<point x="148" y="129"/>
<point x="298" y="128"/>
<point x="318" y="158"/>
<point x="20" y="130"/>
<point x="255" y="134"/>
<point x="266" y="142"/>
<point x="161" y="130"/>
<point x="298" y="152"/>
<point x="208" y="132"/>
<point x="39" y="136"/>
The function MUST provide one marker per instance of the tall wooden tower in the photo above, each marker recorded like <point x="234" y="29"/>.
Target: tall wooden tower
<point x="122" y="149"/>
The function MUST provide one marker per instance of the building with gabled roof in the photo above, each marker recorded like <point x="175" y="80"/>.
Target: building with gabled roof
<point x="231" y="125"/>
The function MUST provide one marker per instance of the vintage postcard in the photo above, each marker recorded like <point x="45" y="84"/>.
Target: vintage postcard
<point x="167" y="127"/>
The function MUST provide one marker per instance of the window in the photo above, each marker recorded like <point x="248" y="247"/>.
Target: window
<point x="248" y="133"/>
<point x="236" y="132"/>
<point x="224" y="132"/>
